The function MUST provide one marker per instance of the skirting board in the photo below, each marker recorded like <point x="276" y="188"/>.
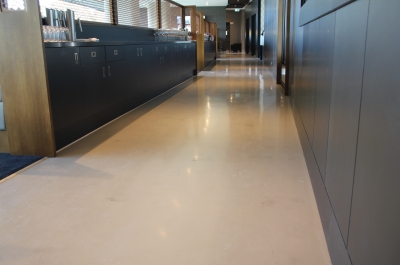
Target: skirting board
<point x="336" y="246"/>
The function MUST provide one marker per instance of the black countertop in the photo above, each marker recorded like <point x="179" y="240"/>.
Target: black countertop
<point x="106" y="43"/>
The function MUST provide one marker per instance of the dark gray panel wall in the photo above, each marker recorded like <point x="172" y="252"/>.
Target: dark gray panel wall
<point x="309" y="77"/>
<point x="296" y="53"/>
<point x="350" y="37"/>
<point x="323" y="89"/>
<point x="364" y="124"/>
<point x="236" y="27"/>
<point x="215" y="14"/>
<point x="375" y="218"/>
<point x="271" y="34"/>
<point x="314" y="9"/>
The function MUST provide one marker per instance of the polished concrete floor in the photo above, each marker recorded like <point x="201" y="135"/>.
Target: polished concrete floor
<point x="209" y="173"/>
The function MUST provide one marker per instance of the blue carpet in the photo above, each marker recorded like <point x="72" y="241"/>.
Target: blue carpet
<point x="10" y="164"/>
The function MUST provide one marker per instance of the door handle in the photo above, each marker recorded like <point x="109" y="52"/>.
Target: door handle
<point x="76" y="58"/>
<point x="109" y="70"/>
<point x="141" y="52"/>
<point x="104" y="72"/>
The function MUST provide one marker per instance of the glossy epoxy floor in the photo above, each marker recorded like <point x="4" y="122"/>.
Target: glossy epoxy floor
<point x="213" y="174"/>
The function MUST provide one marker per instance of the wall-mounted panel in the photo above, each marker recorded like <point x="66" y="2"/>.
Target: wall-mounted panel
<point x="24" y="83"/>
<point x="296" y="53"/>
<point x="326" y="40"/>
<point x="314" y="9"/>
<point x="270" y="35"/>
<point x="309" y="77"/>
<point x="348" y="65"/>
<point x="374" y="235"/>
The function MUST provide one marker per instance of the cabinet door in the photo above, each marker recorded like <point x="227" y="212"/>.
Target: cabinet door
<point x="192" y="57"/>
<point x="116" y="82"/>
<point x="173" y="61"/>
<point x="94" y="87"/>
<point x="147" y="63"/>
<point x="134" y="70"/>
<point x="65" y="84"/>
<point x="183" y="58"/>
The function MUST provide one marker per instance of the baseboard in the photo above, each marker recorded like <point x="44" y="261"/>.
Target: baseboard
<point x="336" y="246"/>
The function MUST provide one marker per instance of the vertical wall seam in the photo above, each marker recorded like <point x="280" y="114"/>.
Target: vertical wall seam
<point x="358" y="129"/>
<point x="330" y="100"/>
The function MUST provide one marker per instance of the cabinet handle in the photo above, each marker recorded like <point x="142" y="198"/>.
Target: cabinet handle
<point x="76" y="58"/>
<point x="137" y="51"/>
<point x="109" y="70"/>
<point x="177" y="48"/>
<point x="141" y="52"/>
<point x="104" y="72"/>
<point x="163" y="59"/>
<point x="160" y="60"/>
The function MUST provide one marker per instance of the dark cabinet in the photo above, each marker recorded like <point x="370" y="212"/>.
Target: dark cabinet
<point x="94" y="83"/>
<point x="104" y="83"/>
<point x="65" y="84"/>
<point x="174" y="60"/>
<point x="116" y="82"/>
<point x="161" y="71"/>
<point x="187" y="58"/>
<point x="90" y="86"/>
<point x="139" y="71"/>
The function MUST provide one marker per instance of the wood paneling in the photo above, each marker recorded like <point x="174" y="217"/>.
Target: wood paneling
<point x="24" y="82"/>
<point x="200" y="42"/>
<point x="213" y="27"/>
<point x="4" y="147"/>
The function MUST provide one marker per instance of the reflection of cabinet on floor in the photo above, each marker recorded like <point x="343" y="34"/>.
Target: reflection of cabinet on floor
<point x="90" y="86"/>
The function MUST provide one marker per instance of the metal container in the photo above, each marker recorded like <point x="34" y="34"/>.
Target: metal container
<point x="71" y="25"/>
<point x="50" y="17"/>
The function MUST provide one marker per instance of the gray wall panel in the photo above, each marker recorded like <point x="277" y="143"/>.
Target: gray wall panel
<point x="296" y="54"/>
<point x="309" y="73"/>
<point x="271" y="35"/>
<point x="350" y="37"/>
<point x="314" y="9"/>
<point x="236" y="27"/>
<point x="323" y="89"/>
<point x="374" y="236"/>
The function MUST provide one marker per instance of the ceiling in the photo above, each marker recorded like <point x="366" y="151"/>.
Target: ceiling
<point x="203" y="2"/>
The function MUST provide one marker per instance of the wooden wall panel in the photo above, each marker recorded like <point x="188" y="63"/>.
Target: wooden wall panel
<point x="4" y="147"/>
<point x="200" y="42"/>
<point x="24" y="82"/>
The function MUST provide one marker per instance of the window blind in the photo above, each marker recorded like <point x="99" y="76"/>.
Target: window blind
<point x="88" y="10"/>
<point x="171" y="15"/>
<point x="139" y="13"/>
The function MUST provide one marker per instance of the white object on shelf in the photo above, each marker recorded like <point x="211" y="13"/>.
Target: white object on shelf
<point x="88" y="40"/>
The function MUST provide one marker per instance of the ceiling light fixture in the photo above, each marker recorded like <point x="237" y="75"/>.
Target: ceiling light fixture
<point x="206" y="3"/>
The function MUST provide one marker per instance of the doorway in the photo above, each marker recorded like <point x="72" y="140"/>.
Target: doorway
<point x="247" y="36"/>
<point x="253" y="35"/>
<point x="228" y="37"/>
<point x="284" y="62"/>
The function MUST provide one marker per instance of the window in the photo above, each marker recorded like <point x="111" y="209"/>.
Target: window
<point x="171" y="15"/>
<point x="139" y="13"/>
<point x="89" y="10"/>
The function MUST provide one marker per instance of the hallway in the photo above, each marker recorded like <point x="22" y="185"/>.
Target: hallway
<point x="209" y="173"/>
